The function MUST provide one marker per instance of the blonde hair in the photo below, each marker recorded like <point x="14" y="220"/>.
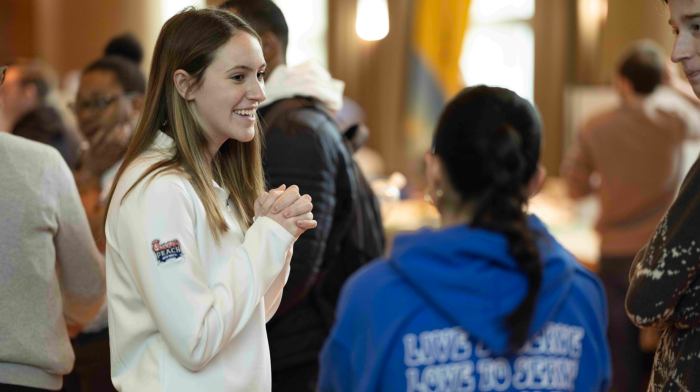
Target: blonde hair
<point x="189" y="41"/>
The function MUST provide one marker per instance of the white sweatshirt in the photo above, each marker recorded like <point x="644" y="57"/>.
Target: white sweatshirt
<point x="186" y="313"/>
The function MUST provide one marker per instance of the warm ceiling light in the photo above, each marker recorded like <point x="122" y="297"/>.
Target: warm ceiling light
<point x="372" y="19"/>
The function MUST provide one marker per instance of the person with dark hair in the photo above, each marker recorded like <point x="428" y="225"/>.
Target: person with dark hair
<point x="664" y="283"/>
<point x="108" y="106"/>
<point x="304" y="145"/>
<point x="490" y="301"/>
<point x="126" y="46"/>
<point x="27" y="99"/>
<point x="53" y="276"/>
<point x="629" y="158"/>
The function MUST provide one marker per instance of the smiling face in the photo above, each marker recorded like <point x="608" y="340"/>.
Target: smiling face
<point x="231" y="90"/>
<point x="685" y="24"/>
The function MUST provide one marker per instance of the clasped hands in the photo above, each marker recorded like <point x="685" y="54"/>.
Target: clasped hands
<point x="288" y="208"/>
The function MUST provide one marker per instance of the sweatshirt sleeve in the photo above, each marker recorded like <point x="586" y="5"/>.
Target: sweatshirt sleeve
<point x="663" y="277"/>
<point x="197" y="314"/>
<point x="273" y="296"/>
<point x="81" y="264"/>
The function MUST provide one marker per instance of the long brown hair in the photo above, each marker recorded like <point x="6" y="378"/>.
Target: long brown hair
<point x="189" y="41"/>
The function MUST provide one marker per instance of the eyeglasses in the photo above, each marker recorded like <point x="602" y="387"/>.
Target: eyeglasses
<point x="2" y="74"/>
<point x="97" y="104"/>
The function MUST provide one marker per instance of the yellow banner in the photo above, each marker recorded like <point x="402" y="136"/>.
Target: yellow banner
<point x="438" y="34"/>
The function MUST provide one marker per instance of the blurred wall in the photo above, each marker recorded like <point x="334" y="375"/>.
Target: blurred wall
<point x="70" y="34"/>
<point x="374" y="74"/>
<point x="555" y="51"/>
<point x="626" y="21"/>
<point x="16" y="29"/>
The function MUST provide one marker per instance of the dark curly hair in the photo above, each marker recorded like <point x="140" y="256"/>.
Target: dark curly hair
<point x="489" y="139"/>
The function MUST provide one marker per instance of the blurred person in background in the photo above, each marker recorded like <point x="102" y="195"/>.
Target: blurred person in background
<point x="108" y="105"/>
<point x="31" y="110"/>
<point x="629" y="157"/>
<point x="488" y="302"/>
<point x="664" y="288"/>
<point x="305" y="146"/>
<point x="53" y="276"/>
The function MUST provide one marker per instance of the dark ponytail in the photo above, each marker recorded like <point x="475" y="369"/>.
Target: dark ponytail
<point x="489" y="139"/>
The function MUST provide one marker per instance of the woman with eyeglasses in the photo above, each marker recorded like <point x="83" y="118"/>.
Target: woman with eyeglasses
<point x="108" y="106"/>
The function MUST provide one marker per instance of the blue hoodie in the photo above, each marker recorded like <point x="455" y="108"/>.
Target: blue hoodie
<point x="432" y="318"/>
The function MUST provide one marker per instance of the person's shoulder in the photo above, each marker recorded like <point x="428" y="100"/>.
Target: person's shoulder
<point x="142" y="179"/>
<point x="587" y="294"/>
<point x="587" y="281"/>
<point x="369" y="280"/>
<point x="315" y="116"/>
<point x="29" y="152"/>
<point x="601" y="119"/>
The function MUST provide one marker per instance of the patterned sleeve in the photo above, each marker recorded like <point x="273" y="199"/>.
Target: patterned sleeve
<point x="663" y="285"/>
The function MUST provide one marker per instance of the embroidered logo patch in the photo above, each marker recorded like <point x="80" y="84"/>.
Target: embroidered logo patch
<point x="166" y="251"/>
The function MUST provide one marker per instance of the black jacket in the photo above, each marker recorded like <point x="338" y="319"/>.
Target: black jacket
<point x="45" y="125"/>
<point x="304" y="147"/>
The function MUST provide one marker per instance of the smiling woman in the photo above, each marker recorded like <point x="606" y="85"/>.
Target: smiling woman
<point x="197" y="252"/>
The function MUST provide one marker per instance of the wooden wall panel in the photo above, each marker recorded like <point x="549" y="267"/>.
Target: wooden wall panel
<point x="16" y="29"/>
<point x="374" y="73"/>
<point x="72" y="33"/>
<point x="554" y="50"/>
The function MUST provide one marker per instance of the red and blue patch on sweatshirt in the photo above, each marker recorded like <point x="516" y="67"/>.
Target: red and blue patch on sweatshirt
<point x="166" y="251"/>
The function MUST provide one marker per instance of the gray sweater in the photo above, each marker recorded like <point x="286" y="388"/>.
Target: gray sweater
<point x="51" y="272"/>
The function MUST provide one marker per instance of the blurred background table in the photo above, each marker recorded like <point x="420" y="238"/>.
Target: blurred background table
<point x="570" y="222"/>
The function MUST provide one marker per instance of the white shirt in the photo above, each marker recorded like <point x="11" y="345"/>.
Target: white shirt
<point x="186" y="313"/>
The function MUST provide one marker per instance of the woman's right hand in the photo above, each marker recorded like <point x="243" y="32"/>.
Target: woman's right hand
<point x="107" y="146"/>
<point x="288" y="208"/>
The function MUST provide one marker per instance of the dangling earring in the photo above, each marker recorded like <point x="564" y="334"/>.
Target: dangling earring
<point x="428" y="198"/>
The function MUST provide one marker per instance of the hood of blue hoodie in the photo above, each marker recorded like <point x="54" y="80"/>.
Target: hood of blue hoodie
<point x="468" y="276"/>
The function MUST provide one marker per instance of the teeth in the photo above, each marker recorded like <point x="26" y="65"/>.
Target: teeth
<point x="245" y="112"/>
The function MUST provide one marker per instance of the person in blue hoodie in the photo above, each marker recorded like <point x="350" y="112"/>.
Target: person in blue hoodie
<point x="489" y="302"/>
